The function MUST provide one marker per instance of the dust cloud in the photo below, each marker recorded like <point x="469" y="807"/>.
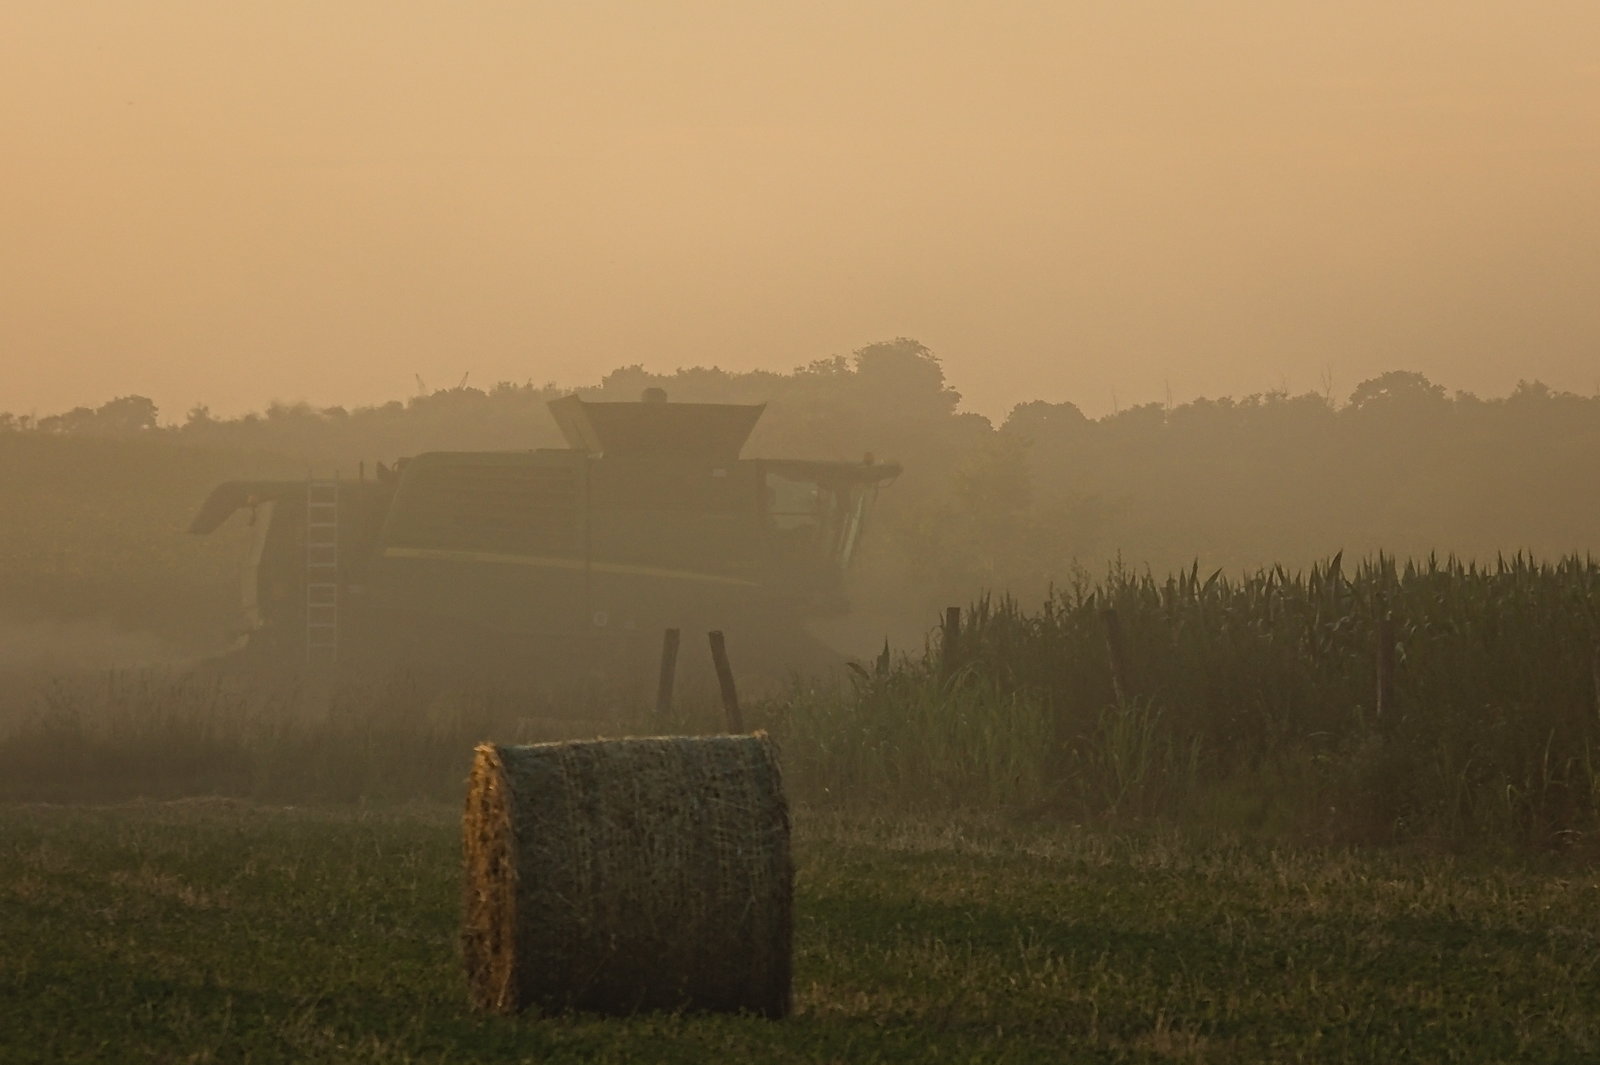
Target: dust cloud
<point x="82" y="644"/>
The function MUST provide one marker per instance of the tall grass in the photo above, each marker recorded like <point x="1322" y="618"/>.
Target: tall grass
<point x="908" y="735"/>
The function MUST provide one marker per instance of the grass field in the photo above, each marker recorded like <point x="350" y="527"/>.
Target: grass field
<point x="219" y="930"/>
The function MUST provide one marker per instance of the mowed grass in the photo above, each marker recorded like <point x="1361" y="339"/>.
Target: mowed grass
<point x="213" y="930"/>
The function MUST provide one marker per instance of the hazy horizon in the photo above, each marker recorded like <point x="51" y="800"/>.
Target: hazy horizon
<point x="1101" y="203"/>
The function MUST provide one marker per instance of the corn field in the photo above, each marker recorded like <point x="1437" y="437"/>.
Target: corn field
<point x="1434" y="699"/>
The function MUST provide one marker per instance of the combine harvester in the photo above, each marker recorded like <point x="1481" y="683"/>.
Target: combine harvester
<point x="557" y="562"/>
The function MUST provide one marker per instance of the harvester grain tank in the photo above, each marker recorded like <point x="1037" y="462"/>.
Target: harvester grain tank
<point x="648" y="519"/>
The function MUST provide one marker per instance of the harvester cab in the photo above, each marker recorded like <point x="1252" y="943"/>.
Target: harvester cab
<point x="648" y="519"/>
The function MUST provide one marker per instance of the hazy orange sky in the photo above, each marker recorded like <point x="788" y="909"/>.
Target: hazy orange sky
<point x="230" y="203"/>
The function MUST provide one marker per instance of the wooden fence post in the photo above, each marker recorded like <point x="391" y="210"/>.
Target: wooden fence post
<point x="669" y="671"/>
<point x="730" y="696"/>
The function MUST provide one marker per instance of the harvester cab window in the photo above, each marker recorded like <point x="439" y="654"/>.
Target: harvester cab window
<point x="813" y="522"/>
<point x="794" y="505"/>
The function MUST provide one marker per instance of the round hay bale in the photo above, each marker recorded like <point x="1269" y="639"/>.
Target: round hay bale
<point x="627" y="875"/>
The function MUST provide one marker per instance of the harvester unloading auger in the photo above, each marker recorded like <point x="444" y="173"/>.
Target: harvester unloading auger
<point x="539" y="561"/>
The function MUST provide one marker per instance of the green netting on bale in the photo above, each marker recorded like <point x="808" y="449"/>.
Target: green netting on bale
<point x="625" y="875"/>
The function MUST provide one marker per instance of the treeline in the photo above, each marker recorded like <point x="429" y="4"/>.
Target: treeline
<point x="1401" y="466"/>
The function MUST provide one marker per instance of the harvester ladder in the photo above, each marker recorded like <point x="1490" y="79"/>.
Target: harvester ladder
<point x="322" y="572"/>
